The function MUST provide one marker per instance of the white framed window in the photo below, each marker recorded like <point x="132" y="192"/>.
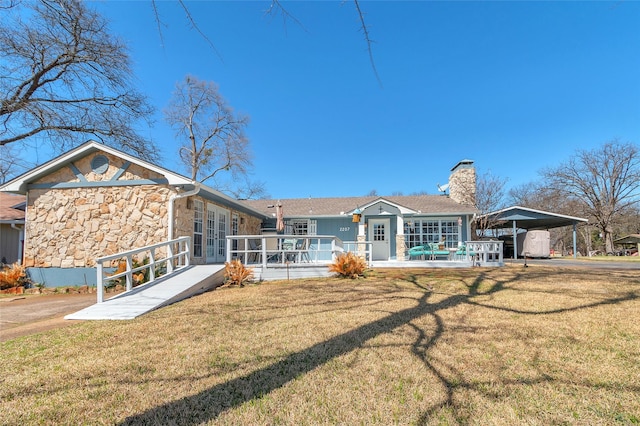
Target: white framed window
<point x="198" y="218"/>
<point x="423" y="231"/>
<point x="301" y="227"/>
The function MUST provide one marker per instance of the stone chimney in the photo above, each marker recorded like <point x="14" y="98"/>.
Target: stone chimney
<point x="462" y="183"/>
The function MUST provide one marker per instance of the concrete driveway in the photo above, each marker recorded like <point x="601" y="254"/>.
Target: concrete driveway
<point x="29" y="314"/>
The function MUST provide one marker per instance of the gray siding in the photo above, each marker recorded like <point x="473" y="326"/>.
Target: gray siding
<point x="9" y="243"/>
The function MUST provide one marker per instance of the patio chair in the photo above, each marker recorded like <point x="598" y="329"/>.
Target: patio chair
<point x="273" y="250"/>
<point x="288" y="246"/>
<point x="303" y="250"/>
<point x="462" y="252"/>
<point x="254" y="254"/>
<point x="417" y="251"/>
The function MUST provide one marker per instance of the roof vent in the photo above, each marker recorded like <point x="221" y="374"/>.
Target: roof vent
<point x="99" y="164"/>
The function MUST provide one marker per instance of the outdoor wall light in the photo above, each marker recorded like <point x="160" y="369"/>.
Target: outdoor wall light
<point x="357" y="214"/>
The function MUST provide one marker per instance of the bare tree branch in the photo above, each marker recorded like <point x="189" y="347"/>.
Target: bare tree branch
<point x="190" y="19"/>
<point x="11" y="163"/>
<point x="276" y="7"/>
<point x="367" y="38"/>
<point x="65" y="78"/>
<point x="156" y="15"/>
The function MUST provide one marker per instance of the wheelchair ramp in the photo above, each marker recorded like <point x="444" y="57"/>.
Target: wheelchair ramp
<point x="183" y="284"/>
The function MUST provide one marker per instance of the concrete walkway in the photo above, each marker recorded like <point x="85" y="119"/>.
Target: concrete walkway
<point x="162" y="292"/>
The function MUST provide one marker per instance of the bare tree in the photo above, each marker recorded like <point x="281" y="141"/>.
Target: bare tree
<point x="213" y="135"/>
<point x="64" y="78"/>
<point x="538" y="195"/>
<point x="250" y="190"/>
<point x="11" y="163"/>
<point x="606" y="181"/>
<point x="489" y="197"/>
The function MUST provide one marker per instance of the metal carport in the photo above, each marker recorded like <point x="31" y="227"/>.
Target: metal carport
<point x="629" y="239"/>
<point x="530" y="219"/>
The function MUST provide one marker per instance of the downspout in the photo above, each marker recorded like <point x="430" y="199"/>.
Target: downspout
<point x="172" y="200"/>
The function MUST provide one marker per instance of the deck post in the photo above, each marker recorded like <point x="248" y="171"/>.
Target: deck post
<point x="515" y="242"/>
<point x="169" y="263"/>
<point x="575" y="248"/>
<point x="129" y="275"/>
<point x="152" y="265"/>
<point x="100" y="282"/>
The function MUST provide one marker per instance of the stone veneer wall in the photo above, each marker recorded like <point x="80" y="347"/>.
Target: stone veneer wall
<point x="72" y="227"/>
<point x="401" y="247"/>
<point x="462" y="184"/>
<point x="67" y="228"/>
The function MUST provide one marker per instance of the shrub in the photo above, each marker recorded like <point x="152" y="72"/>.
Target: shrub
<point x="236" y="273"/>
<point x="13" y="276"/>
<point x="348" y="265"/>
<point x="139" y="277"/>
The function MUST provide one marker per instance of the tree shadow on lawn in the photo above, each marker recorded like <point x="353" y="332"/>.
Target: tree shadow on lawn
<point x="209" y="404"/>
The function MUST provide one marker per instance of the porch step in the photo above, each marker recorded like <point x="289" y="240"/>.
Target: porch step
<point x="162" y="292"/>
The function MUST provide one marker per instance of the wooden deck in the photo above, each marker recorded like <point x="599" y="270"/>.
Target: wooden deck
<point x="194" y="280"/>
<point x="162" y="292"/>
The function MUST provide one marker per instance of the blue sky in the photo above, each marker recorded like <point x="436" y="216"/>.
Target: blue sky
<point x="514" y="86"/>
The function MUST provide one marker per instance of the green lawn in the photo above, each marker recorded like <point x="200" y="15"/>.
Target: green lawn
<point x="508" y="346"/>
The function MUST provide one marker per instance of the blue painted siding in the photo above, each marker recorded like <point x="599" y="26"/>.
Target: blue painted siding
<point x="63" y="277"/>
<point x="342" y="228"/>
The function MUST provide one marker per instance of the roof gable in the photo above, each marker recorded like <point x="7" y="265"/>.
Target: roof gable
<point x="38" y="174"/>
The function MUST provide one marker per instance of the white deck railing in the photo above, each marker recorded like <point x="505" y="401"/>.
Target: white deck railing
<point x="177" y="255"/>
<point x="485" y="253"/>
<point x="274" y="250"/>
<point x="361" y="248"/>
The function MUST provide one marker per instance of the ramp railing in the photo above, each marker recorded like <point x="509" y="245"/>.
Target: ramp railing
<point x="157" y="260"/>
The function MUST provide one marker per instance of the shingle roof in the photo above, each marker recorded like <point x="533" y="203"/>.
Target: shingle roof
<point x="299" y="207"/>
<point x="8" y="204"/>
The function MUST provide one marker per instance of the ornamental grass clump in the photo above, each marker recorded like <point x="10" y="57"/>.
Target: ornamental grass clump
<point x="236" y="273"/>
<point x="348" y="265"/>
<point x="13" y="276"/>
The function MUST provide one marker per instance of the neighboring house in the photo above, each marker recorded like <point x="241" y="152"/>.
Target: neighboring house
<point x="392" y="223"/>
<point x="12" y="214"/>
<point x="96" y="200"/>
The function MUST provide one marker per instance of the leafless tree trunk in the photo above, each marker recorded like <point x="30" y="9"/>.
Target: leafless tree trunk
<point x="213" y="135"/>
<point x="605" y="180"/>
<point x="64" y="78"/>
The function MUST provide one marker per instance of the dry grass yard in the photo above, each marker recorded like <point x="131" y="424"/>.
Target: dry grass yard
<point x="506" y="346"/>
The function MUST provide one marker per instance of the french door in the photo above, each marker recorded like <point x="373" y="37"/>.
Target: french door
<point x="217" y="230"/>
